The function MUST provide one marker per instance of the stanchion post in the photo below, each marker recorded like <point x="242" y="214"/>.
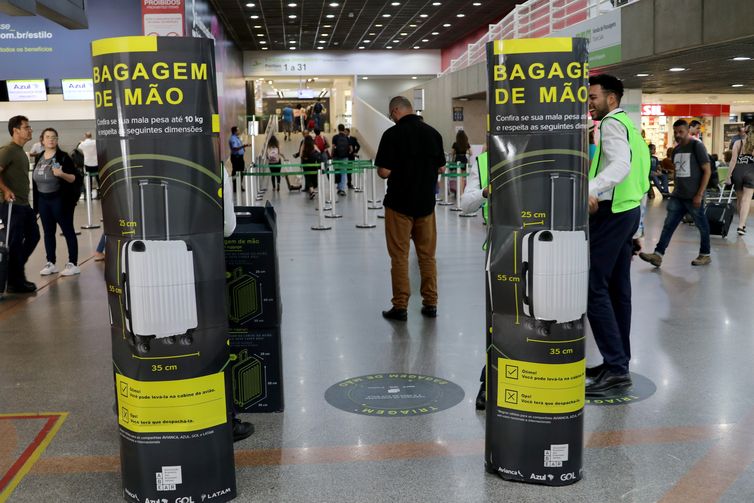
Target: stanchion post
<point x="446" y="197"/>
<point x="459" y="190"/>
<point x="334" y="212"/>
<point x="320" y="204"/>
<point x="88" y="184"/>
<point x="384" y="183"/>
<point x="374" y="202"/>
<point x="239" y="184"/>
<point x="365" y="207"/>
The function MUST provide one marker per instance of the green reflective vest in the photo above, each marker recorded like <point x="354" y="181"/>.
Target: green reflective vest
<point x="484" y="180"/>
<point x="628" y="193"/>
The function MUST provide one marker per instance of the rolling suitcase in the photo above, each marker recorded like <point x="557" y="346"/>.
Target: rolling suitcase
<point x="159" y="286"/>
<point x="4" y="252"/>
<point x="248" y="379"/>
<point x="244" y="296"/>
<point x="720" y="214"/>
<point x="555" y="268"/>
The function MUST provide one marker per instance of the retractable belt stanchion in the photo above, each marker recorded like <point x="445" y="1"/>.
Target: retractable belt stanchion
<point x="359" y="182"/>
<point x="460" y="177"/>
<point x="446" y="197"/>
<point x="365" y="213"/>
<point x="88" y="184"/>
<point x="384" y="182"/>
<point x="320" y="203"/>
<point x="261" y="183"/>
<point x="374" y="202"/>
<point x="329" y="204"/>
<point x="252" y="191"/>
<point x="239" y="183"/>
<point x="333" y="194"/>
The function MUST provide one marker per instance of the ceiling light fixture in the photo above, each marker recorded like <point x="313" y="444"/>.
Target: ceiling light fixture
<point x="423" y="15"/>
<point x="325" y="35"/>
<point x="323" y="41"/>
<point x="292" y="16"/>
<point x="367" y="41"/>
<point x="378" y="26"/>
<point x="334" y="4"/>
<point x="414" y="78"/>
<point x="436" y="4"/>
<point x="388" y="47"/>
<point x="265" y="48"/>
<point x="677" y="69"/>
<point x="460" y="15"/>
<point x="412" y="26"/>
<point x="435" y="33"/>
<point x="362" y="47"/>
<point x="320" y="47"/>
<point x="262" y="42"/>
<point x="386" y="15"/>
<point x="373" y="34"/>
<point x="477" y="4"/>
<point x="741" y="58"/>
<point x="330" y="16"/>
<point x="365" y="78"/>
<point x="326" y="26"/>
<point x="403" y="34"/>
<point x="260" y="34"/>
<point x="416" y="47"/>
<point x="292" y="48"/>
<point x="257" y="26"/>
<point x="254" y="17"/>
<point x="425" y="40"/>
<point x="642" y="75"/>
<point x="446" y="25"/>
<point x="396" y="41"/>
<point x="250" y="5"/>
<point x="395" y="4"/>
<point x="292" y="4"/>
<point x="736" y="85"/>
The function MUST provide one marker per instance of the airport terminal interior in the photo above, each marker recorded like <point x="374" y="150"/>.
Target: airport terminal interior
<point x="681" y="433"/>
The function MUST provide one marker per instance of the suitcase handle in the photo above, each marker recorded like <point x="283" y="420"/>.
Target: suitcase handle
<point x="524" y="276"/>
<point x="553" y="177"/>
<point x="164" y="184"/>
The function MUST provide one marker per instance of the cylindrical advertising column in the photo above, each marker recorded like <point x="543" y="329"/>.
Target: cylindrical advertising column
<point x="161" y="187"/>
<point x="538" y="259"/>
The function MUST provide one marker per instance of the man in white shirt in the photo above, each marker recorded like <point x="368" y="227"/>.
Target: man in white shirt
<point x="618" y="179"/>
<point x="88" y="147"/>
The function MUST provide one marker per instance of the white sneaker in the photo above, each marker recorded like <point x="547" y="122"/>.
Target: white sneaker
<point x="48" y="269"/>
<point x="70" y="270"/>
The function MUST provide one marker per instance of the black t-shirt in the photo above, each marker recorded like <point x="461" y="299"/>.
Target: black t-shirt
<point x="413" y="152"/>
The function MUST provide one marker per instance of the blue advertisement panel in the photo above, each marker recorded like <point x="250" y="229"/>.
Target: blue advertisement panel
<point x="36" y="48"/>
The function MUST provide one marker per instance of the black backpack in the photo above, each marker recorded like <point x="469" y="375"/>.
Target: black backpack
<point x="318" y="108"/>
<point x="340" y="145"/>
<point x="78" y="159"/>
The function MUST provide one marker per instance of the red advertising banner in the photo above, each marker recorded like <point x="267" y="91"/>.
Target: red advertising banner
<point x="685" y="110"/>
<point x="163" y="17"/>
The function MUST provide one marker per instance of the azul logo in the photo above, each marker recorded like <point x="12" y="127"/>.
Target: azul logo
<point x="534" y="476"/>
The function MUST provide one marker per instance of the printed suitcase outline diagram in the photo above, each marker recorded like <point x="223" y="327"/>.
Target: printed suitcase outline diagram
<point x="244" y="296"/>
<point x="249" y="377"/>
<point x="181" y="294"/>
<point x="574" y="245"/>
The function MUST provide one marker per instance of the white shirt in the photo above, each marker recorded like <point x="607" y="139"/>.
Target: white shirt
<point x="88" y="147"/>
<point x="615" y="158"/>
<point x="472" y="198"/>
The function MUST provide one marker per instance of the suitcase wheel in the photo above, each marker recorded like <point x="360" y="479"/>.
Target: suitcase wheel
<point x="186" y="340"/>
<point x="142" y="347"/>
<point x="544" y="331"/>
<point x="169" y="341"/>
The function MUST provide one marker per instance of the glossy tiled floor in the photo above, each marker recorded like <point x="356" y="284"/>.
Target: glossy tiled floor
<point x="693" y="337"/>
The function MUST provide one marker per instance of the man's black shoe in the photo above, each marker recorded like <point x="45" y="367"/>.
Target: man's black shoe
<point x="481" y="397"/>
<point x="429" y="311"/>
<point x="241" y="429"/>
<point x="595" y="371"/>
<point x="395" y="314"/>
<point x="25" y="287"/>
<point x="607" y="383"/>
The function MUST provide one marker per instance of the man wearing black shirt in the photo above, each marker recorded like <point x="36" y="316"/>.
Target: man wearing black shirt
<point x="410" y="156"/>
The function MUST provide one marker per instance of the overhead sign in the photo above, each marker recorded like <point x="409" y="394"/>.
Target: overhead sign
<point x="271" y="64"/>
<point x="685" y="110"/>
<point x="78" y="89"/>
<point x="604" y="34"/>
<point x="162" y="17"/>
<point x="27" y="90"/>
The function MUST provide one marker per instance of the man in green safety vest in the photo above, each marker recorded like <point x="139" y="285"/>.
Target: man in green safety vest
<point x="475" y="195"/>
<point x="618" y="178"/>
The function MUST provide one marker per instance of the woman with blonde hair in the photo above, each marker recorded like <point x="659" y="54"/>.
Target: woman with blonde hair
<point x="741" y="174"/>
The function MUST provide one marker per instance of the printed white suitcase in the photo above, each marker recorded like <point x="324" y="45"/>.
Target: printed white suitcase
<point x="556" y="268"/>
<point x="159" y="284"/>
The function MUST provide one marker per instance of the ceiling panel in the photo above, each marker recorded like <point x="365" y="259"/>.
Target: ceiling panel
<point x="354" y="24"/>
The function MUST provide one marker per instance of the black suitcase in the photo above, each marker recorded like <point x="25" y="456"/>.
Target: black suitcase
<point x="720" y="214"/>
<point x="4" y="252"/>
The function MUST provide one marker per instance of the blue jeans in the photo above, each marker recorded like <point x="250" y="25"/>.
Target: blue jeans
<point x="340" y="178"/>
<point x="661" y="182"/>
<point x="677" y="208"/>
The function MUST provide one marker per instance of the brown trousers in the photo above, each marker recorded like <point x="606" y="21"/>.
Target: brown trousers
<point x="400" y="229"/>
